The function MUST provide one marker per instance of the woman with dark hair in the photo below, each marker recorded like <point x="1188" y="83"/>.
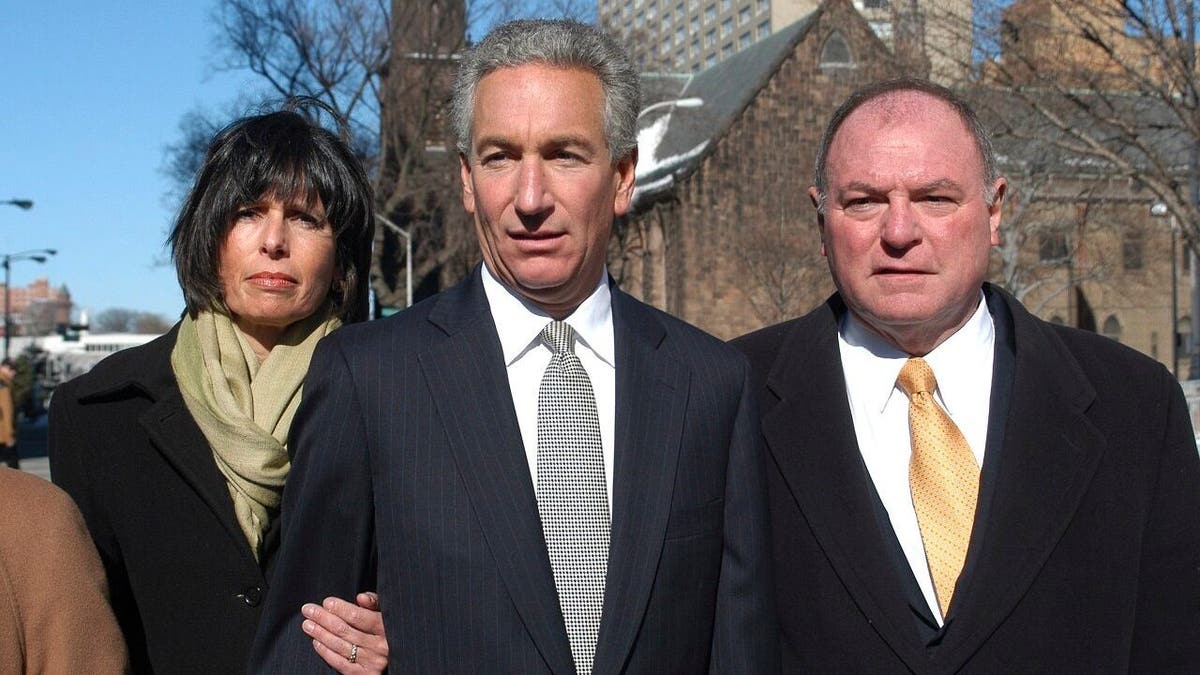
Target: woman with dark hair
<point x="175" y="451"/>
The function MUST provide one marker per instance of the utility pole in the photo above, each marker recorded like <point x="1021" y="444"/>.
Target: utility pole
<point x="1194" y="188"/>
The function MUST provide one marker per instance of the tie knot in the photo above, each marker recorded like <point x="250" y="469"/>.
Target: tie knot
<point x="559" y="337"/>
<point x="916" y="377"/>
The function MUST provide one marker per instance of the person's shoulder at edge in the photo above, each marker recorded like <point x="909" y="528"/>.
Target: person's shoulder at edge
<point x="47" y="514"/>
<point x="761" y="346"/>
<point x="684" y="339"/>
<point x="1096" y="354"/>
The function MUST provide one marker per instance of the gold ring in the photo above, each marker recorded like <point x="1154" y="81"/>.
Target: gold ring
<point x="353" y="653"/>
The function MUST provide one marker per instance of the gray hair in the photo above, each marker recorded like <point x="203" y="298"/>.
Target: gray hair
<point x="561" y="43"/>
<point x="876" y="90"/>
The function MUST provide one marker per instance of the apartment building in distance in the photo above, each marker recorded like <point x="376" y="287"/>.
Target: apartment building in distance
<point x="36" y="309"/>
<point x="691" y="35"/>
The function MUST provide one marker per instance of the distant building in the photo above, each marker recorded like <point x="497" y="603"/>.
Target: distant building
<point x="59" y="358"/>
<point x="37" y="309"/>
<point x="723" y="235"/>
<point x="691" y="35"/>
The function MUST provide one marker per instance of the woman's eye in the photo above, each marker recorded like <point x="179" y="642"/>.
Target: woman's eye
<point x="309" y="221"/>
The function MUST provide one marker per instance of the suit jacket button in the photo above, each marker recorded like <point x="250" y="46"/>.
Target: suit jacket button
<point x="252" y="596"/>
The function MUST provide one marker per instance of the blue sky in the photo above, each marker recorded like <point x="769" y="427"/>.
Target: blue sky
<point x="93" y="92"/>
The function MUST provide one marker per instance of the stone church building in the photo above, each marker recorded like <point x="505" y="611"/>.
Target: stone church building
<point x="723" y="234"/>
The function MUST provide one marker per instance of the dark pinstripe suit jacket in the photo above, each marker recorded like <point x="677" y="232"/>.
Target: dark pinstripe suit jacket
<point x="410" y="477"/>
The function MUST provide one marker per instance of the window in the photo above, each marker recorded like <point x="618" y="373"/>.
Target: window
<point x="744" y="16"/>
<point x="680" y="36"/>
<point x="744" y="41"/>
<point x="1132" y="249"/>
<point x="710" y="38"/>
<point x="1112" y="328"/>
<point x="695" y="26"/>
<point x="1052" y="247"/>
<point x="875" y="4"/>
<point x="727" y="51"/>
<point x="727" y="28"/>
<point x="836" y="52"/>
<point x="710" y="61"/>
<point x="639" y="20"/>
<point x="764" y="29"/>
<point x="693" y="4"/>
<point x="726" y="5"/>
<point x="696" y="48"/>
<point x="763" y="5"/>
<point x="710" y="14"/>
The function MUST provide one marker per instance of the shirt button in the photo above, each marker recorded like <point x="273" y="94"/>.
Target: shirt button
<point x="252" y="596"/>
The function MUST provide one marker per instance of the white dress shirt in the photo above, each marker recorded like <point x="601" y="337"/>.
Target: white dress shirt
<point x="962" y="365"/>
<point x="519" y="324"/>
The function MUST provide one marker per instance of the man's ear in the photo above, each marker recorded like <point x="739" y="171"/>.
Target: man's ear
<point x="468" y="189"/>
<point x="815" y="196"/>
<point x="625" y="175"/>
<point x="996" y="209"/>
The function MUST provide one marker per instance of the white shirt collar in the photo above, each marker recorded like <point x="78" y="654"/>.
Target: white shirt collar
<point x="519" y="322"/>
<point x="871" y="360"/>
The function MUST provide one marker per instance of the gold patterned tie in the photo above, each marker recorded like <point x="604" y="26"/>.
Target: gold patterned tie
<point x="944" y="478"/>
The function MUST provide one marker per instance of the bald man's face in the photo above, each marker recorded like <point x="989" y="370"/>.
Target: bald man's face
<point x="907" y="230"/>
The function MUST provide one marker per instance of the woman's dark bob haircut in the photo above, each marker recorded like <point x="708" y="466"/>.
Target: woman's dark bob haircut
<point x="285" y="155"/>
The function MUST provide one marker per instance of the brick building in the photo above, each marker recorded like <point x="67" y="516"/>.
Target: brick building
<point x="37" y="309"/>
<point x="691" y="35"/>
<point x="1079" y="45"/>
<point x="722" y="233"/>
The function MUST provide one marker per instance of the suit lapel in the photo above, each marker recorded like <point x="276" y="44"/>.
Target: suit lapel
<point x="1050" y="452"/>
<point x="652" y="394"/>
<point x="466" y="374"/>
<point x="181" y="443"/>
<point x="810" y="434"/>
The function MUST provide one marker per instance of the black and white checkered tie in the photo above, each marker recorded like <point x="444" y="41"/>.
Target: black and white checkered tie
<point x="571" y="494"/>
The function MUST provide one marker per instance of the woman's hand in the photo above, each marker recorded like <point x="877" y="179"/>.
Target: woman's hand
<point x="348" y="637"/>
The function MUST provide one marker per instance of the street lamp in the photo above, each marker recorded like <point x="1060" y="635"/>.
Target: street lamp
<point x="1160" y="210"/>
<point x="691" y="102"/>
<point x="25" y="204"/>
<point x="36" y="255"/>
<point x="407" y="256"/>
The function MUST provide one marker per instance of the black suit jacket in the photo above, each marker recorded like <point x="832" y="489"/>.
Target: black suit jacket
<point x="185" y="586"/>
<point x="1085" y="557"/>
<point x="410" y="475"/>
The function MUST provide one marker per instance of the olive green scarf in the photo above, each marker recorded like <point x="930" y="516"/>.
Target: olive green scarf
<point x="245" y="408"/>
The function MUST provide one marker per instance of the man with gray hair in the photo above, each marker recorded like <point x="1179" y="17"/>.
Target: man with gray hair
<point x="537" y="472"/>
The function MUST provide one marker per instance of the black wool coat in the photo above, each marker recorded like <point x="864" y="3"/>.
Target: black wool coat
<point x="1085" y="555"/>
<point x="185" y="586"/>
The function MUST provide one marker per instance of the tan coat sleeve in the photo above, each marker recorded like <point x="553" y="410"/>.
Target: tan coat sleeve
<point x="8" y="420"/>
<point x="54" y="611"/>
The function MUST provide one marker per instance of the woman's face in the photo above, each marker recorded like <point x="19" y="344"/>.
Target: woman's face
<point x="277" y="265"/>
